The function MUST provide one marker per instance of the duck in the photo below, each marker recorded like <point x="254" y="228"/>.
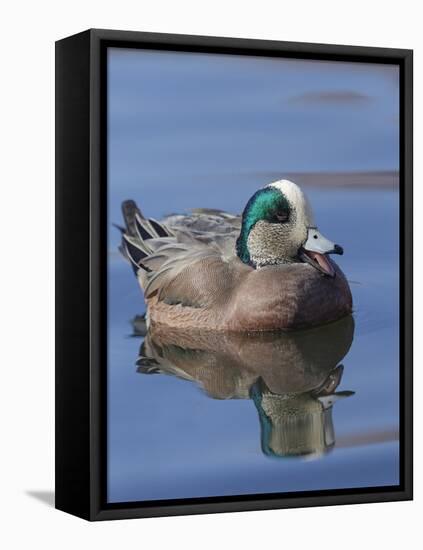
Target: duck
<point x="264" y="270"/>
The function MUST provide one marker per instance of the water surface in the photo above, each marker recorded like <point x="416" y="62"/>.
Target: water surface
<point x="201" y="425"/>
<point x="189" y="130"/>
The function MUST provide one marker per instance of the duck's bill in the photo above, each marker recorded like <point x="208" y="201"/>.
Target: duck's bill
<point x="315" y="252"/>
<point x="321" y="262"/>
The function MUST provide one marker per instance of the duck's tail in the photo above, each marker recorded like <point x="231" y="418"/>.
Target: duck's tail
<point x="137" y="232"/>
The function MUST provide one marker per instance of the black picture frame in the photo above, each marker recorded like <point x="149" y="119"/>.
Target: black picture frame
<point x="81" y="297"/>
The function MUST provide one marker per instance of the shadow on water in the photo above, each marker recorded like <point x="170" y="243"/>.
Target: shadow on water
<point x="291" y="378"/>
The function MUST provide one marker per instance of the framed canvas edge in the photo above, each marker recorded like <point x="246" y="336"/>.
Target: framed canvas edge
<point x="250" y="505"/>
<point x="98" y="40"/>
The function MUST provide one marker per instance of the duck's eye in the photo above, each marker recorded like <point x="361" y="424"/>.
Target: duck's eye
<point x="281" y="216"/>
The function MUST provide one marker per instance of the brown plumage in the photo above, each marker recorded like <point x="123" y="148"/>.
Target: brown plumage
<point x="192" y="277"/>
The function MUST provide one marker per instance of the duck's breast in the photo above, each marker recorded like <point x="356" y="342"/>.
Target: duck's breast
<point x="288" y="297"/>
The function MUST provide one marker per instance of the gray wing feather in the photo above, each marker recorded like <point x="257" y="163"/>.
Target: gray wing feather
<point x="166" y="254"/>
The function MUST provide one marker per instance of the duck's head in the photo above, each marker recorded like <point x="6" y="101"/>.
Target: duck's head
<point x="278" y="228"/>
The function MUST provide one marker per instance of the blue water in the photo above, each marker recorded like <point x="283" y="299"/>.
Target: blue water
<point x="200" y="130"/>
<point x="168" y="439"/>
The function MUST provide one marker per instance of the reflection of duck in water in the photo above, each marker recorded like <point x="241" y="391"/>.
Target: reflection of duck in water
<point x="291" y="377"/>
<point x="268" y="269"/>
<point x="298" y="424"/>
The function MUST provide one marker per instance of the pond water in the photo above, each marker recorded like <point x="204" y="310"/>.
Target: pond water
<point x="198" y="419"/>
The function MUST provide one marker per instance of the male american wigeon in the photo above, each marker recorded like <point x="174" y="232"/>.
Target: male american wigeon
<point x="268" y="269"/>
